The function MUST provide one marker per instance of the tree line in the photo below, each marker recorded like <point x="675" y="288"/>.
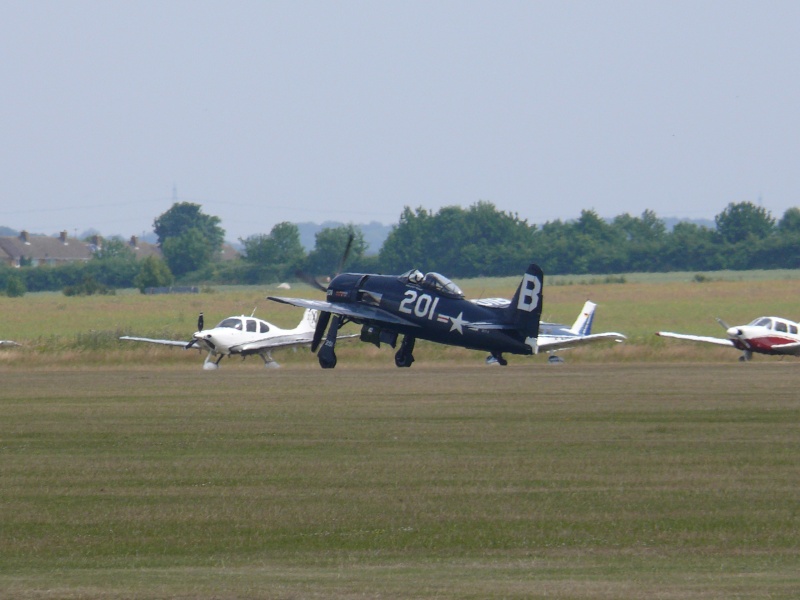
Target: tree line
<point x="460" y="242"/>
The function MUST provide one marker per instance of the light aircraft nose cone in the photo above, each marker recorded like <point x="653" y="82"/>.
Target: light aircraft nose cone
<point x="734" y="332"/>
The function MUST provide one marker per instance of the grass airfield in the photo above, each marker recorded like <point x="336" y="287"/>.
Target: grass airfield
<point x="652" y="469"/>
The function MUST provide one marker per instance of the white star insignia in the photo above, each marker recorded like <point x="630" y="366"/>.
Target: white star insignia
<point x="458" y="323"/>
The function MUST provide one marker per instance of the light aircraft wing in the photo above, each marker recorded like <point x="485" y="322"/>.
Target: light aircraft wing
<point x="283" y="341"/>
<point x="551" y="343"/>
<point x="697" y="338"/>
<point x="356" y="311"/>
<point x="152" y="341"/>
<point x="8" y="343"/>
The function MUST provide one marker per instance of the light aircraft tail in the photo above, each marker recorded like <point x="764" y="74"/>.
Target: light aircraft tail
<point x="583" y="324"/>
<point x="308" y="323"/>
<point x="526" y="305"/>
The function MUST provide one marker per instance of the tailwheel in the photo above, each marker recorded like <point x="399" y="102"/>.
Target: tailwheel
<point x="404" y="356"/>
<point x="498" y="357"/>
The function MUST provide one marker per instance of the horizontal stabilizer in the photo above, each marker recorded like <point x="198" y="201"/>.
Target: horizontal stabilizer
<point x="549" y="344"/>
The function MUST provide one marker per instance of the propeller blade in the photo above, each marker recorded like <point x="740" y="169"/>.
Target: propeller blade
<point x="190" y="344"/>
<point x="346" y="253"/>
<point x="319" y="331"/>
<point x="200" y="322"/>
<point x="725" y="326"/>
<point x="310" y="280"/>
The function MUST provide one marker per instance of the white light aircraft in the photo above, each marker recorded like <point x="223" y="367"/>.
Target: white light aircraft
<point x="555" y="336"/>
<point x="243" y="336"/>
<point x="764" y="335"/>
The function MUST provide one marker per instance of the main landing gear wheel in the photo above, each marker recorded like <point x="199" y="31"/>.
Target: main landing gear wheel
<point x="327" y="360"/>
<point x="326" y="354"/>
<point x="404" y="356"/>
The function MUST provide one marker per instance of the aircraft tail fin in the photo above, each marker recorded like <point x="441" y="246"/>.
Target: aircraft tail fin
<point x="309" y="321"/>
<point x="526" y="305"/>
<point x="583" y="324"/>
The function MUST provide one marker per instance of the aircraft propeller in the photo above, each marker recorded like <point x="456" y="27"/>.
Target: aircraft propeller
<point x="324" y="317"/>
<point x="730" y="330"/>
<point x="200" y="322"/>
<point x="312" y="281"/>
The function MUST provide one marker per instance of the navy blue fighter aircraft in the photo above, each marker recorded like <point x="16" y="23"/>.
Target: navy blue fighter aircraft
<point x="428" y="307"/>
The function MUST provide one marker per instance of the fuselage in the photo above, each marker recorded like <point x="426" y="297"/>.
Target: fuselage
<point x="766" y="335"/>
<point x="233" y="332"/>
<point x="429" y="307"/>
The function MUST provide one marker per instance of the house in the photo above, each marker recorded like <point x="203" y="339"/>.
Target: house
<point x="143" y="249"/>
<point x="34" y="250"/>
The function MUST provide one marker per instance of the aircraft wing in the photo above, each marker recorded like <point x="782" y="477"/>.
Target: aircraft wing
<point x="551" y="343"/>
<point x="8" y="343"/>
<point x="283" y="341"/>
<point x="152" y="341"/>
<point x="697" y="338"/>
<point x="356" y="311"/>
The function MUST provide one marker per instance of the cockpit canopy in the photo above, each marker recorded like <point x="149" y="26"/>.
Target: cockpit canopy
<point x="245" y="324"/>
<point x="775" y="324"/>
<point x="433" y="281"/>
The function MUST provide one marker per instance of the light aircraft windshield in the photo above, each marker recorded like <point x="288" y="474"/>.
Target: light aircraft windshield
<point x="231" y="323"/>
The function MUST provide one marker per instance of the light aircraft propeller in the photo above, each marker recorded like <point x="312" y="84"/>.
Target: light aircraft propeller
<point x="193" y="341"/>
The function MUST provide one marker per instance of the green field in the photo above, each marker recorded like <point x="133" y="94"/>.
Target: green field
<point x="650" y="469"/>
<point x="577" y="481"/>
<point x="76" y="331"/>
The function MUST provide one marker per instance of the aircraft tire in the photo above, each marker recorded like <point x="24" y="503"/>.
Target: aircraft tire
<point x="403" y="360"/>
<point x="327" y="362"/>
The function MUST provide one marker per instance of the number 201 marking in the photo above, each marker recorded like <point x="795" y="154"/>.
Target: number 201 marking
<point x="421" y="305"/>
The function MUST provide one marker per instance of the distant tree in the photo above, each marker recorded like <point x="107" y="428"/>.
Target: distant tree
<point x="187" y="252"/>
<point x="281" y="247"/>
<point x="741" y="220"/>
<point x="15" y="286"/>
<point x="644" y="239"/>
<point x="406" y="246"/>
<point x="189" y="239"/>
<point x="113" y="248"/>
<point x="329" y="249"/>
<point x="184" y="216"/>
<point x="480" y="240"/>
<point x="114" y="264"/>
<point x="691" y="247"/>
<point x="154" y="272"/>
<point x="790" y="222"/>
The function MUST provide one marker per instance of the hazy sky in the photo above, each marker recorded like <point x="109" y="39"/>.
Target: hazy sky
<point x="265" y="111"/>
